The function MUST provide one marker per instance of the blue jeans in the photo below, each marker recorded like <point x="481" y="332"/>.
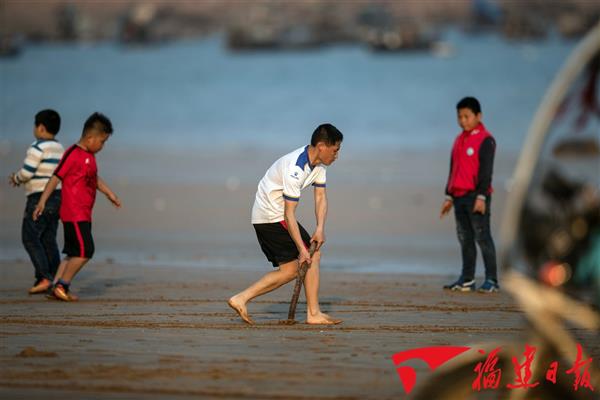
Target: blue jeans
<point x="39" y="237"/>
<point x="474" y="227"/>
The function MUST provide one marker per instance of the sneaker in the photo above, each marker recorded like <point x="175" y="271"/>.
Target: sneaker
<point x="51" y="296"/>
<point x="489" y="286"/>
<point x="40" y="287"/>
<point x="62" y="294"/>
<point x="461" y="285"/>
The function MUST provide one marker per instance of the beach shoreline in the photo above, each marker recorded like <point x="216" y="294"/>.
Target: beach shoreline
<point x="381" y="219"/>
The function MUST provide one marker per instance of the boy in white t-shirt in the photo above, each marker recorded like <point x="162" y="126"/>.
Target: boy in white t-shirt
<point x="281" y="237"/>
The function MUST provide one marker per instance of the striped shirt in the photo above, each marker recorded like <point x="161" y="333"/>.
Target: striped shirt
<point x="40" y="162"/>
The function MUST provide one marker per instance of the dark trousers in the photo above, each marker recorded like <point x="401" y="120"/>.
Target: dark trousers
<point x="39" y="237"/>
<point x="474" y="228"/>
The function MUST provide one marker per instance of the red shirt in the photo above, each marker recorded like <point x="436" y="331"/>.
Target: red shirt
<point x="464" y="173"/>
<point x="79" y="175"/>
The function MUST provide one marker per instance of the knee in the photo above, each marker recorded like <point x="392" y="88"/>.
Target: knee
<point x="29" y="242"/>
<point x="482" y="236"/>
<point x="290" y="273"/>
<point x="49" y="241"/>
<point x="464" y="236"/>
<point x="316" y="256"/>
<point x="485" y="243"/>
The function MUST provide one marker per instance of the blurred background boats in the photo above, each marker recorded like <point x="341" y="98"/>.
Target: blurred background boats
<point x="388" y="26"/>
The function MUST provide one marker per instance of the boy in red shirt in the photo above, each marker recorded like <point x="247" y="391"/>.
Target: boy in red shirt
<point x="469" y="190"/>
<point x="79" y="175"/>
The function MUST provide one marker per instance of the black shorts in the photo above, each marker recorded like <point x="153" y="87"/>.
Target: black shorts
<point x="78" y="239"/>
<point x="276" y="242"/>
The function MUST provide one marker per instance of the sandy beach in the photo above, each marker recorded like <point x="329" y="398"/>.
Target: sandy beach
<point x="157" y="332"/>
<point x="158" y="329"/>
<point x="160" y="332"/>
<point x="153" y="320"/>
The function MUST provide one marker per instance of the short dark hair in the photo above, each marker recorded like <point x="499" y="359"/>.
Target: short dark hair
<point x="471" y="103"/>
<point x="327" y="134"/>
<point x="98" y="121"/>
<point x="50" y="119"/>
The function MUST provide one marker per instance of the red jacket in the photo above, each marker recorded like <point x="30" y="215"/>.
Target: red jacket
<point x="471" y="163"/>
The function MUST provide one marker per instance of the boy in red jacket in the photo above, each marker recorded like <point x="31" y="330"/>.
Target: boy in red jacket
<point x="469" y="190"/>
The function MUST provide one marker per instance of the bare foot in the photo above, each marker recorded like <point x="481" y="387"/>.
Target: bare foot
<point x="322" y="319"/>
<point x="335" y="321"/>
<point x="240" y="308"/>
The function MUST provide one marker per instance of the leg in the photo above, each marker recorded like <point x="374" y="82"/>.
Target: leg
<point x="483" y="237"/>
<point x="269" y="282"/>
<point x="311" y="290"/>
<point x="72" y="267"/>
<point x="463" y="209"/>
<point x="61" y="269"/>
<point x="30" y="236"/>
<point x="79" y="248"/>
<point x="69" y="267"/>
<point x="48" y="235"/>
<point x="48" y="240"/>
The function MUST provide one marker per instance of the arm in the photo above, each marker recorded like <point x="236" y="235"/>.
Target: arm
<point x="447" y="204"/>
<point x="103" y="187"/>
<point x="289" y="215"/>
<point x="486" y="167"/>
<point x="13" y="181"/>
<point x="321" y="214"/>
<point x="30" y="165"/>
<point x="50" y="187"/>
<point x="484" y="176"/>
<point x="447" y="191"/>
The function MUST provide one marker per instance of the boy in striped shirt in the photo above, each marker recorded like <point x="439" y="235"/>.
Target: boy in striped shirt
<point x="39" y="237"/>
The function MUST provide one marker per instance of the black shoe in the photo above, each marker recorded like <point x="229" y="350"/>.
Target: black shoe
<point x="461" y="285"/>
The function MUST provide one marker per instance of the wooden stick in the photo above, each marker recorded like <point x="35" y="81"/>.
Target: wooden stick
<point x="299" y="281"/>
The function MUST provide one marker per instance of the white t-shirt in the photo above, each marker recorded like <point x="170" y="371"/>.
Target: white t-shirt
<point x="284" y="180"/>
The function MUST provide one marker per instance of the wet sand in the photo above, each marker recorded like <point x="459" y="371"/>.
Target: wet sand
<point x="386" y="214"/>
<point x="159" y="332"/>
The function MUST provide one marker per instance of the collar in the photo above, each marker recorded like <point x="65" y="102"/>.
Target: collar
<point x="478" y="129"/>
<point x="303" y="159"/>
<point x="82" y="148"/>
